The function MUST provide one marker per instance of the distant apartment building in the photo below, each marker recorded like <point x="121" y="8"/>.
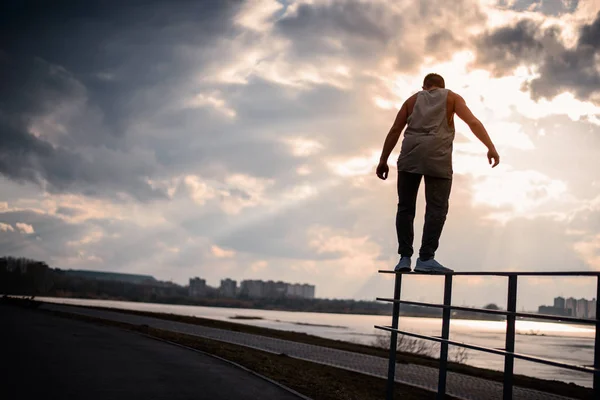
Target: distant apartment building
<point x="582" y="308"/>
<point x="579" y="308"/>
<point x="592" y="309"/>
<point x="294" y="290"/>
<point x="252" y="288"/>
<point x="308" y="291"/>
<point x="559" y="302"/>
<point x="275" y="289"/>
<point x="228" y="288"/>
<point x="197" y="287"/>
<point x="551" y="310"/>
<point x="571" y="306"/>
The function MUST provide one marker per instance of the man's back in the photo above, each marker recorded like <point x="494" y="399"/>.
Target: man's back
<point x="450" y="104"/>
<point x="427" y="144"/>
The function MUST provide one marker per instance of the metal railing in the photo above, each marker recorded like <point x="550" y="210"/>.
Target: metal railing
<point x="511" y="316"/>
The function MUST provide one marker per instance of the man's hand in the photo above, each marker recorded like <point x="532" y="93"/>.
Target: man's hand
<point x="383" y="170"/>
<point x="493" y="157"/>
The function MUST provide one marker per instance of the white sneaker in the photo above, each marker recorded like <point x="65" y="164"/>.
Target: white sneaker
<point x="403" y="265"/>
<point x="431" y="266"/>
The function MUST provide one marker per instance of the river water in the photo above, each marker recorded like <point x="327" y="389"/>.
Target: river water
<point x="568" y="343"/>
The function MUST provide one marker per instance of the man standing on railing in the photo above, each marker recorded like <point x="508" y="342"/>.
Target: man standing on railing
<point x="427" y="151"/>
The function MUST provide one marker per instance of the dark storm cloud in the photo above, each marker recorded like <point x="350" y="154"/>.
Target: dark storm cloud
<point x="26" y="157"/>
<point x="506" y="48"/>
<point x="560" y="68"/>
<point x="114" y="61"/>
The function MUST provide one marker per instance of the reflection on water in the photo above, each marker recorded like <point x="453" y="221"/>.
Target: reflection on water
<point x="563" y="342"/>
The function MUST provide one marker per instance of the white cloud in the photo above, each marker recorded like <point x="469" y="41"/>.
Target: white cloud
<point x="521" y="193"/>
<point x="213" y="100"/>
<point x="243" y="191"/>
<point x="24" y="228"/>
<point x="257" y="15"/>
<point x="258" y="266"/>
<point x="303" y="170"/>
<point x="299" y="192"/>
<point x="303" y="147"/>
<point x="235" y="193"/>
<point x="355" y="166"/>
<point x="506" y="135"/>
<point x="200" y="191"/>
<point x="92" y="237"/>
<point x="356" y="255"/>
<point x="6" y="227"/>
<point x="386" y="104"/>
<point x="221" y="253"/>
<point x="589" y="251"/>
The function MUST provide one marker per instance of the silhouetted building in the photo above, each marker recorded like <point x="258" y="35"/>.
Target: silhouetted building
<point x="272" y="289"/>
<point x="228" y="288"/>
<point x="197" y="287"/>
<point x="592" y="309"/>
<point x="275" y="289"/>
<point x="559" y="302"/>
<point x="252" y="288"/>
<point x="308" y="291"/>
<point x="550" y="310"/>
<point x="294" y="290"/>
<point x="582" y="308"/>
<point x="571" y="306"/>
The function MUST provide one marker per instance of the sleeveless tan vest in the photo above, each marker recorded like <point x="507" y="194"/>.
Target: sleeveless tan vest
<point x="427" y="144"/>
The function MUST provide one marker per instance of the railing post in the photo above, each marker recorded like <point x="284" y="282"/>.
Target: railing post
<point x="394" y="339"/>
<point x="509" y="359"/>
<point x="597" y="343"/>
<point x="441" y="394"/>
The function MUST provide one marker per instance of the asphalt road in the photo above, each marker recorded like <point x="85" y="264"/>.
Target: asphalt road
<point x="48" y="357"/>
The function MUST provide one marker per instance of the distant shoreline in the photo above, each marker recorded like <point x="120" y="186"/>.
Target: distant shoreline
<point x="263" y="304"/>
<point x="465" y="316"/>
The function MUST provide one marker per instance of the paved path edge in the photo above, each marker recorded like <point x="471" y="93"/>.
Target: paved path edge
<point x="292" y="391"/>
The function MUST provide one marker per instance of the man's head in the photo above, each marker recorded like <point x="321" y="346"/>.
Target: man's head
<point x="433" y="80"/>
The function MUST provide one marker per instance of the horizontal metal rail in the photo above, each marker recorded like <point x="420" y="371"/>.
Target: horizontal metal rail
<point x="494" y="312"/>
<point x="501" y="352"/>
<point x="498" y="273"/>
<point x="511" y="314"/>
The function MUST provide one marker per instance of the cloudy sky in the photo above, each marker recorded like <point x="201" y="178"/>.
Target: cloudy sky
<point x="239" y="139"/>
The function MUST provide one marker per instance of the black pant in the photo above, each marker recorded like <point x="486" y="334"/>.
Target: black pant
<point x="437" y="193"/>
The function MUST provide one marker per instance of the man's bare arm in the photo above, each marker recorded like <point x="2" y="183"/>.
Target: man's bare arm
<point x="394" y="134"/>
<point x="464" y="113"/>
<point x="391" y="140"/>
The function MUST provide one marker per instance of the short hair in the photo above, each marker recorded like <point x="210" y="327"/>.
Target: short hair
<point x="434" y="80"/>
